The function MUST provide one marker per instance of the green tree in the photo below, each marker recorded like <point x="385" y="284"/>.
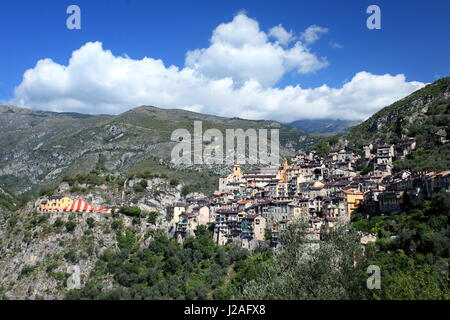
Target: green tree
<point x="126" y="240"/>
<point x="70" y="226"/>
<point x="304" y="270"/>
<point x="323" y="148"/>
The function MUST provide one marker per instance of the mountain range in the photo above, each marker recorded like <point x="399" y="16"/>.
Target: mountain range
<point x="324" y="125"/>
<point x="39" y="148"/>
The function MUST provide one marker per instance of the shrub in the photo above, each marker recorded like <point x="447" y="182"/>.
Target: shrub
<point x="117" y="225"/>
<point x="127" y="240"/>
<point x="136" y="221"/>
<point x="146" y="174"/>
<point x="58" y="223"/>
<point x="75" y="189"/>
<point x="144" y="183"/>
<point x="152" y="216"/>
<point x="42" y="218"/>
<point x="60" y="276"/>
<point x="174" y="182"/>
<point x="69" y="180"/>
<point x="131" y="211"/>
<point x="141" y="186"/>
<point x="27" y="270"/>
<point x="47" y="192"/>
<point x="90" y="222"/>
<point x="70" y="226"/>
<point x="71" y="256"/>
<point x="185" y="191"/>
<point x="52" y="266"/>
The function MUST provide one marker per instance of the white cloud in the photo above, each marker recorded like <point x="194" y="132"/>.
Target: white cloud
<point x="335" y="45"/>
<point x="96" y="81"/>
<point x="312" y="34"/>
<point x="241" y="51"/>
<point x="281" y="35"/>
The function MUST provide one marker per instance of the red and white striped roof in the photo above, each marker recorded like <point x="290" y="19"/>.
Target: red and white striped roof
<point x="82" y="206"/>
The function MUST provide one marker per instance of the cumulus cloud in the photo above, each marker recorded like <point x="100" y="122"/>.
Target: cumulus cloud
<point x="281" y="35"/>
<point x="243" y="52"/>
<point x="96" y="81"/>
<point x="312" y="34"/>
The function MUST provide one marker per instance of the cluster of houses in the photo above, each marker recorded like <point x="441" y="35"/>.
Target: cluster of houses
<point x="254" y="206"/>
<point x="382" y="158"/>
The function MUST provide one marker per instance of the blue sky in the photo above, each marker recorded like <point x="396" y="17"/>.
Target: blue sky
<point x="414" y="41"/>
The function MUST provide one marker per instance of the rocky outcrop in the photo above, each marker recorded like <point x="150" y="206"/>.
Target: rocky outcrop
<point x="400" y="120"/>
<point x="43" y="255"/>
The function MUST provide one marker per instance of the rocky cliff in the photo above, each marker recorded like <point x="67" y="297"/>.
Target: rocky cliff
<point x="423" y="116"/>
<point x="420" y="115"/>
<point x="42" y="255"/>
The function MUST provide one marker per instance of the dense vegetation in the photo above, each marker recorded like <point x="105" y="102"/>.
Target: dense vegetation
<point x="433" y="159"/>
<point x="412" y="251"/>
<point x="11" y="202"/>
<point x="324" y="147"/>
<point x="164" y="270"/>
<point x="304" y="270"/>
<point x="201" y="270"/>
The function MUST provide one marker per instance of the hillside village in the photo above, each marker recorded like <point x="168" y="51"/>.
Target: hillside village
<point x="253" y="206"/>
<point x="101" y="214"/>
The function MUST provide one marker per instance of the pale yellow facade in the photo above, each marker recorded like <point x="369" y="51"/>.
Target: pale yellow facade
<point x="353" y="199"/>
<point x="56" y="203"/>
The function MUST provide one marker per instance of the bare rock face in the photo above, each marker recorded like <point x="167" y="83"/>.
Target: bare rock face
<point x="74" y="280"/>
